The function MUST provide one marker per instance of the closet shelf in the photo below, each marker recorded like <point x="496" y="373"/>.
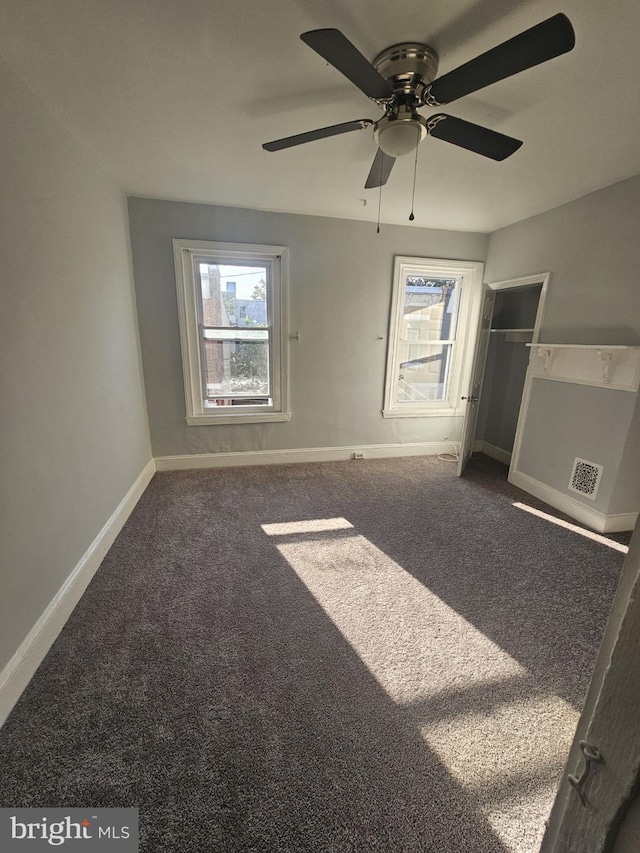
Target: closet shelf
<point x="513" y="336"/>
<point x="581" y="346"/>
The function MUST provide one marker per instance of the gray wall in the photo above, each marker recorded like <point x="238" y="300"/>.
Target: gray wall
<point x="626" y="494"/>
<point x="628" y="840"/>
<point x="73" y="428"/>
<point x="592" y="250"/>
<point x="565" y="420"/>
<point x="341" y="274"/>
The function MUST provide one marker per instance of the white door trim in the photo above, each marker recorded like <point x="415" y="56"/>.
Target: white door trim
<point x="511" y="284"/>
<point x="527" y="281"/>
<point x="609" y="722"/>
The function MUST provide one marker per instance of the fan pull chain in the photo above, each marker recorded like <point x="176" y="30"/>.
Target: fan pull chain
<point x="415" y="170"/>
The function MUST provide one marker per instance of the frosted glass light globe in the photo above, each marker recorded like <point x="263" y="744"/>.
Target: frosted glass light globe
<point x="400" y="136"/>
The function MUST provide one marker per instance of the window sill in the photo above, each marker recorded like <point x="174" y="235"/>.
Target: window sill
<point x="420" y="413"/>
<point x="240" y="418"/>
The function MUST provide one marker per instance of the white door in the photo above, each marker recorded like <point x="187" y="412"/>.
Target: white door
<point x="477" y="373"/>
<point x="586" y="820"/>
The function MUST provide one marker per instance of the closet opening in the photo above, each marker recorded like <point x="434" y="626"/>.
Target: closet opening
<point x="513" y="325"/>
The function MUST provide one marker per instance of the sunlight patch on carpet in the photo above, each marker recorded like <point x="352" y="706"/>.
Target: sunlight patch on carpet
<point x="311" y="525"/>
<point x="514" y="737"/>
<point x="588" y="534"/>
<point x="520" y="821"/>
<point x="413" y="643"/>
<point x="419" y="650"/>
<point x="509" y="759"/>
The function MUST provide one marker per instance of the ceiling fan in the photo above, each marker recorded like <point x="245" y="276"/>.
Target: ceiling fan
<point x="402" y="79"/>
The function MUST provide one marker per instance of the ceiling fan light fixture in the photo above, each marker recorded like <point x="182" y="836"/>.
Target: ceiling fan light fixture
<point x="398" y="136"/>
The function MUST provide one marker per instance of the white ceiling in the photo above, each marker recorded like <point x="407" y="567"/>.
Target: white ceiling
<point x="173" y="98"/>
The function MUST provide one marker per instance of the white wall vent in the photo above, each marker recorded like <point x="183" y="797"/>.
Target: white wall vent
<point x="585" y="478"/>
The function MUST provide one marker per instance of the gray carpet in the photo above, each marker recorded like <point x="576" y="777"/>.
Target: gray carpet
<point x="353" y="656"/>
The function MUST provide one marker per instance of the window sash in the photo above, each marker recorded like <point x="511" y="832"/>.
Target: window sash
<point x="220" y="356"/>
<point x="467" y="276"/>
<point x="423" y="379"/>
<point x="236" y="333"/>
<point x="424" y="342"/>
<point x="194" y="332"/>
<point x="420" y="400"/>
<point x="240" y="396"/>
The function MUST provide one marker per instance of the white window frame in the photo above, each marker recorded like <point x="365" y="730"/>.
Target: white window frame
<point x="187" y="255"/>
<point x="471" y="273"/>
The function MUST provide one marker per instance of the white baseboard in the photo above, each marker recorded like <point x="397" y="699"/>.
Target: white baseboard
<point x="621" y="521"/>
<point x="20" y="669"/>
<point x="302" y="454"/>
<point x="585" y="515"/>
<point x="496" y="452"/>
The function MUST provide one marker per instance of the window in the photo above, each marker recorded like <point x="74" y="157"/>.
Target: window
<point x="232" y="311"/>
<point x="431" y="313"/>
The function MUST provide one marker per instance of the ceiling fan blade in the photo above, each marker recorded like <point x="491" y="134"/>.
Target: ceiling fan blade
<point x="336" y="48"/>
<point x="546" y="40"/>
<point x="312" y="135"/>
<point x="380" y="170"/>
<point x="473" y="137"/>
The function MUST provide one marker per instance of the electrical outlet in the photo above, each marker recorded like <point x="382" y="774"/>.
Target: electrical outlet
<point x="357" y="455"/>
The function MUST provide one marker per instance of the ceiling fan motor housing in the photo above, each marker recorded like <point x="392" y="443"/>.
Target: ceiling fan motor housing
<point x="409" y="67"/>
